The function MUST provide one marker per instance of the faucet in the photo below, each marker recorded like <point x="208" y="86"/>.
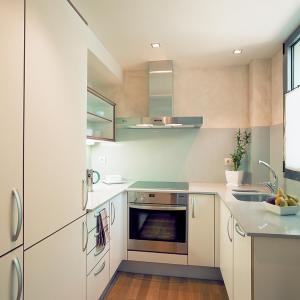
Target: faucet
<point x="273" y="186"/>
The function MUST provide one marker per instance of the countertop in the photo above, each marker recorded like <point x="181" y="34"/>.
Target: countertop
<point x="251" y="216"/>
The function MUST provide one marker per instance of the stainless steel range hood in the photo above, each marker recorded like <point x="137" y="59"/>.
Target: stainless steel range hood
<point x="160" y="102"/>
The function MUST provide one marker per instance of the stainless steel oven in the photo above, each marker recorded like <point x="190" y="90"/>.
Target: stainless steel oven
<point x="157" y="222"/>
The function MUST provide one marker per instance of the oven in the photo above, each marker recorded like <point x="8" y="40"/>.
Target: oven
<point x="158" y="222"/>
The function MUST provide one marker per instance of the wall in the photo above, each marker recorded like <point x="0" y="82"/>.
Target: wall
<point x="221" y="95"/>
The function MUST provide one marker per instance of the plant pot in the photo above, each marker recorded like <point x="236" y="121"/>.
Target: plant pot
<point x="234" y="178"/>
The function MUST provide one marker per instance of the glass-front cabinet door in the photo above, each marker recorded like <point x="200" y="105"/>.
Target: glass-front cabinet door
<point x="100" y="117"/>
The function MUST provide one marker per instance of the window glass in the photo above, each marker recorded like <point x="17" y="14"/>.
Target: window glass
<point x="296" y="64"/>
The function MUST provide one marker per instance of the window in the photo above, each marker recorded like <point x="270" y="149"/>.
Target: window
<point x="295" y="64"/>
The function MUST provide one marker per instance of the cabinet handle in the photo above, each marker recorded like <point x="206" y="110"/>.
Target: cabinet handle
<point x="100" y="269"/>
<point x="99" y="252"/>
<point x="85" y="231"/>
<point x="228" y="228"/>
<point x="17" y="266"/>
<point x="17" y="197"/>
<point x="239" y="230"/>
<point x="193" y="207"/>
<point x="84" y="195"/>
<point x="114" y="214"/>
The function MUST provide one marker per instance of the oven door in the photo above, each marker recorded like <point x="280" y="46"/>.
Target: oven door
<point x="157" y="228"/>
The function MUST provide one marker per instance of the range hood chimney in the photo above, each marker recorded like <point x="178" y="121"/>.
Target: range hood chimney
<point x="160" y="102"/>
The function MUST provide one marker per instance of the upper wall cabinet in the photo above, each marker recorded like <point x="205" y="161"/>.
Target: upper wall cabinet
<point x="55" y="117"/>
<point x="11" y="123"/>
<point x="100" y="117"/>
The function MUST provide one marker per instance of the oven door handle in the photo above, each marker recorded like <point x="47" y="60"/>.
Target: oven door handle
<point x="158" y="207"/>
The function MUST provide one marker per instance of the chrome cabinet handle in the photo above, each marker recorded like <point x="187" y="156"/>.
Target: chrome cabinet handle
<point x="17" y="197"/>
<point x="17" y="266"/>
<point x="239" y="230"/>
<point x="84" y="195"/>
<point x="85" y="231"/>
<point x="100" y="269"/>
<point x="114" y="214"/>
<point x="193" y="207"/>
<point x="228" y="228"/>
<point x="99" y="252"/>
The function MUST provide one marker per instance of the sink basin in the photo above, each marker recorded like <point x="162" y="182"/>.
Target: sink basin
<point x="255" y="197"/>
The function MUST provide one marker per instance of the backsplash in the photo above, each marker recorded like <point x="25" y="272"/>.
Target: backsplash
<point x="177" y="155"/>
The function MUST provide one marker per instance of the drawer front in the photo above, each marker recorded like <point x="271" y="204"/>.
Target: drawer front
<point x="98" y="279"/>
<point x="91" y="241"/>
<point x="94" y="257"/>
<point x="91" y="219"/>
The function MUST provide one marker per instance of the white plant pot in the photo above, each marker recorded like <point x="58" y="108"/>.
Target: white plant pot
<point x="234" y="178"/>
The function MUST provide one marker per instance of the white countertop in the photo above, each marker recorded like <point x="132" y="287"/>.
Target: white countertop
<point x="251" y="216"/>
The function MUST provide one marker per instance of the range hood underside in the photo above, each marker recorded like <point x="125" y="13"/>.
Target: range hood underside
<point x="159" y="122"/>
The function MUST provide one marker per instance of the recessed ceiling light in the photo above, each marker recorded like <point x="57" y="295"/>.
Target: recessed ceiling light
<point x="237" y="51"/>
<point x="155" y="45"/>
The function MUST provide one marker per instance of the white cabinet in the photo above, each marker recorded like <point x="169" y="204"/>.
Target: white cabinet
<point x="11" y="275"/>
<point x="11" y="122"/>
<point x="98" y="279"/>
<point x="241" y="264"/>
<point x="55" y="117"/>
<point x="201" y="230"/>
<point x="56" y="267"/>
<point x="226" y="248"/>
<point x="118" y="229"/>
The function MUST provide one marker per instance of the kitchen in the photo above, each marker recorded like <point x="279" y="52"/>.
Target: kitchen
<point x="117" y="127"/>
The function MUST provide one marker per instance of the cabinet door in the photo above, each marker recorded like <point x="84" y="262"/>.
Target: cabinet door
<point x="56" y="267"/>
<point x="11" y="275"/>
<point x="201" y="231"/>
<point x="226" y="248"/>
<point x="11" y="120"/>
<point x="55" y="117"/>
<point x="241" y="264"/>
<point x="117" y="231"/>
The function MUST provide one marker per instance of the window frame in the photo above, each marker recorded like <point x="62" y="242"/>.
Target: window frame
<point x="288" y="86"/>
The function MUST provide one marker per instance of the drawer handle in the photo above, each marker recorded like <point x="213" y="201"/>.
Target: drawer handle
<point x="18" y="200"/>
<point x="230" y="238"/>
<point x="100" y="269"/>
<point x="239" y="230"/>
<point x="17" y="266"/>
<point x="100" y="251"/>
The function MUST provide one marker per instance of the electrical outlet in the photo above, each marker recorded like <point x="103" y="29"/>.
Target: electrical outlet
<point x="102" y="159"/>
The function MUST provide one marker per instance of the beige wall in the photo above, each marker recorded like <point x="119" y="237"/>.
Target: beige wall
<point x="260" y="97"/>
<point x="277" y="88"/>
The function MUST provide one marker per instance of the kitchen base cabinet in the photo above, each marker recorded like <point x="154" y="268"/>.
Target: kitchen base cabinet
<point x="242" y="262"/>
<point x="98" y="279"/>
<point x="201" y="230"/>
<point x="117" y="231"/>
<point x="226" y="248"/>
<point x="11" y="123"/>
<point x="11" y="275"/>
<point x="56" y="267"/>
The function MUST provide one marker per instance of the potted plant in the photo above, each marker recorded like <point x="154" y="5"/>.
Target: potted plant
<point x="234" y="176"/>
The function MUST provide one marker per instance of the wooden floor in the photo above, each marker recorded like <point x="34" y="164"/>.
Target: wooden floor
<point x="128" y="286"/>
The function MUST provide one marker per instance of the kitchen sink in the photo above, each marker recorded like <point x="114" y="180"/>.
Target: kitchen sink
<point x="253" y="197"/>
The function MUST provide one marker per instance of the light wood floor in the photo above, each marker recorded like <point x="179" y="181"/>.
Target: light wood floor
<point x="128" y="286"/>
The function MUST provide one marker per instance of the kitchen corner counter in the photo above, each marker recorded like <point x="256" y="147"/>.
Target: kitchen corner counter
<point x="251" y="216"/>
<point x="104" y="192"/>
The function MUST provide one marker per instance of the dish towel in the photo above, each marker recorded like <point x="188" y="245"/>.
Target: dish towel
<point x="102" y="229"/>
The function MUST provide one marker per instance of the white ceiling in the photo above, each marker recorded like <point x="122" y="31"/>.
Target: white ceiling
<point x="193" y="33"/>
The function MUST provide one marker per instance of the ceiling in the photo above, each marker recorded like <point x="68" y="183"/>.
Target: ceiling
<point x="193" y="33"/>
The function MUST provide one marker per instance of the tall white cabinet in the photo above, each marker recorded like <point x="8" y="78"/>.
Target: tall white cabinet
<point x="55" y="118"/>
<point x="11" y="124"/>
<point x="11" y="275"/>
<point x="56" y="267"/>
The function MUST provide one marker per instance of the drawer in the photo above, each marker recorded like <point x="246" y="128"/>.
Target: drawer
<point x="91" y="241"/>
<point x="91" y="219"/>
<point x="94" y="257"/>
<point x="98" y="279"/>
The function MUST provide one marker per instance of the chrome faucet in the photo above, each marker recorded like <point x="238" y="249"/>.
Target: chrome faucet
<point x="273" y="186"/>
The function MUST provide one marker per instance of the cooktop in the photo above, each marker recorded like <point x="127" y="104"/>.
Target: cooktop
<point x="160" y="185"/>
